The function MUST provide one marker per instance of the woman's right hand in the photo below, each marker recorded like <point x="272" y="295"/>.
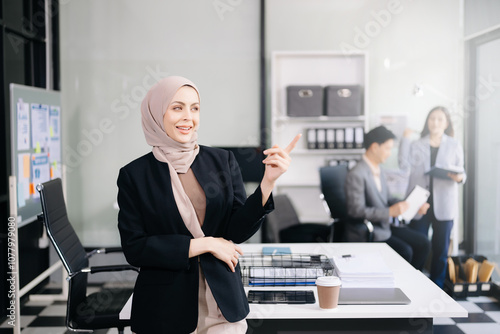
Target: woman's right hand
<point x="223" y="249"/>
<point x="423" y="209"/>
<point x="226" y="251"/>
<point x="456" y="177"/>
<point x="407" y="133"/>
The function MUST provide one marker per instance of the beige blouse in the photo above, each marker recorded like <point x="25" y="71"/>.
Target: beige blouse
<point x="209" y="315"/>
<point x="195" y="193"/>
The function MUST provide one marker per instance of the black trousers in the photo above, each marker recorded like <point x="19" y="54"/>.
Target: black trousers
<point x="413" y="246"/>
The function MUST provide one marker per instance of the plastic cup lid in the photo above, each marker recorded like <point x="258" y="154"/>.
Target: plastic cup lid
<point x="328" y="281"/>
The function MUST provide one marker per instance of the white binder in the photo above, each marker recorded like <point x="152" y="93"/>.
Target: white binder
<point x="358" y="137"/>
<point x="311" y="138"/>
<point x="349" y="137"/>
<point x="321" y="138"/>
<point x="330" y="138"/>
<point x="339" y="138"/>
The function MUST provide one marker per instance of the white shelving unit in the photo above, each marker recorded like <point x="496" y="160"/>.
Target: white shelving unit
<point x="301" y="183"/>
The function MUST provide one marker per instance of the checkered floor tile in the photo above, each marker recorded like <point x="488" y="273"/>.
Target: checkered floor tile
<point x="47" y="317"/>
<point x="484" y="318"/>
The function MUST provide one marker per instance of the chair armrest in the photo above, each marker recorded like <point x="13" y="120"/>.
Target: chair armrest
<point x="358" y="230"/>
<point x="112" y="250"/>
<point x="325" y="205"/>
<point x="116" y="267"/>
<point x="99" y="269"/>
<point x="104" y="250"/>
<point x="369" y="226"/>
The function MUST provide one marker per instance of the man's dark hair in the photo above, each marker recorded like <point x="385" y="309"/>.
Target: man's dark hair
<point x="378" y="135"/>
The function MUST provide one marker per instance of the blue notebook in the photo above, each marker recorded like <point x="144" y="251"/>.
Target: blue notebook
<point x="276" y="251"/>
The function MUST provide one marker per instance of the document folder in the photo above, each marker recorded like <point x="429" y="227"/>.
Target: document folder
<point x="359" y="137"/>
<point x="311" y="139"/>
<point x="442" y="173"/>
<point x="415" y="199"/>
<point x="321" y="138"/>
<point x="339" y="138"/>
<point x="349" y="138"/>
<point x="330" y="138"/>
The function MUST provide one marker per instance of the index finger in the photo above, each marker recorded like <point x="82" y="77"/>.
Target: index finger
<point x="238" y="249"/>
<point x="293" y="143"/>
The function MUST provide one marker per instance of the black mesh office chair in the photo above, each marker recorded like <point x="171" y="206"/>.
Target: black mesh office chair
<point x="84" y="313"/>
<point x="283" y="225"/>
<point x="333" y="194"/>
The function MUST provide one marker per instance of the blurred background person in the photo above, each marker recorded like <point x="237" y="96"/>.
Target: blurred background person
<point x="436" y="147"/>
<point x="368" y="198"/>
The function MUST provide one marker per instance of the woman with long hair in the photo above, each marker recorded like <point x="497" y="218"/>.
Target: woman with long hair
<point x="435" y="148"/>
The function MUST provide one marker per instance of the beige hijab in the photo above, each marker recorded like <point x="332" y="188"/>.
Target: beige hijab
<point x="178" y="156"/>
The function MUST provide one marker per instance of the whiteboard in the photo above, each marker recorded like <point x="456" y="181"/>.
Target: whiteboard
<point x="36" y="150"/>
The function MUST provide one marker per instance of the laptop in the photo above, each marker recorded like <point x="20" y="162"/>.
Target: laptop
<point x="373" y="296"/>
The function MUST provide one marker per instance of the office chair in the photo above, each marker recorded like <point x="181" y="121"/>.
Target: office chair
<point x="84" y="312"/>
<point x="332" y="179"/>
<point x="283" y="225"/>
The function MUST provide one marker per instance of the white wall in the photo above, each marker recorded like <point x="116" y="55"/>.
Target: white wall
<point x="487" y="162"/>
<point x="407" y="42"/>
<point x="110" y="48"/>
<point x="480" y="15"/>
<point x="111" y="52"/>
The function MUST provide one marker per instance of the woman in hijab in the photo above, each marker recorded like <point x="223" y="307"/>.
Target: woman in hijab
<point x="183" y="210"/>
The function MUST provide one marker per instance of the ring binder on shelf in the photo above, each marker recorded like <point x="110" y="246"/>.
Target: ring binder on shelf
<point x="330" y="138"/>
<point x="339" y="138"/>
<point x="349" y="138"/>
<point x="311" y="139"/>
<point x="321" y="138"/>
<point x="359" y="137"/>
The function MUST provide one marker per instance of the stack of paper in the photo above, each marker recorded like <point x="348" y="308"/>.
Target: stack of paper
<point x="363" y="270"/>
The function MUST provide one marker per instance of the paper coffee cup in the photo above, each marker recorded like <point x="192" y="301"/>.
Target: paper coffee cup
<point x="328" y="291"/>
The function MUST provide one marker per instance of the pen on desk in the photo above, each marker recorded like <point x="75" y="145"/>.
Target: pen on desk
<point x="346" y="255"/>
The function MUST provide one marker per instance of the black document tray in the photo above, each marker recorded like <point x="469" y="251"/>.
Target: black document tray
<point x="281" y="297"/>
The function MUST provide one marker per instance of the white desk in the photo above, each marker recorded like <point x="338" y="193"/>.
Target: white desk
<point x="427" y="300"/>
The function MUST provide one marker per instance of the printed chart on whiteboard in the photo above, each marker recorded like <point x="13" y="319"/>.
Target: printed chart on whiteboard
<point x="36" y="144"/>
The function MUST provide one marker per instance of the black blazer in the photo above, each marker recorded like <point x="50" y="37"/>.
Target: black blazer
<point x="154" y="238"/>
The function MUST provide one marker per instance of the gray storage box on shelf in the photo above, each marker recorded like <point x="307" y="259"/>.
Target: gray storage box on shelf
<point x="344" y="100"/>
<point x="304" y="101"/>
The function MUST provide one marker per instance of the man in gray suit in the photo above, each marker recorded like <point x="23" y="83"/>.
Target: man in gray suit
<point x="368" y="198"/>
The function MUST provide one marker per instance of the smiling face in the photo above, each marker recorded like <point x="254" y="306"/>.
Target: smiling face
<point x="182" y="117"/>
<point x="437" y="123"/>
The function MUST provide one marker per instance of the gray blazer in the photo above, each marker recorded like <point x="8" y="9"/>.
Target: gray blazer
<point x="365" y="201"/>
<point x="415" y="157"/>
